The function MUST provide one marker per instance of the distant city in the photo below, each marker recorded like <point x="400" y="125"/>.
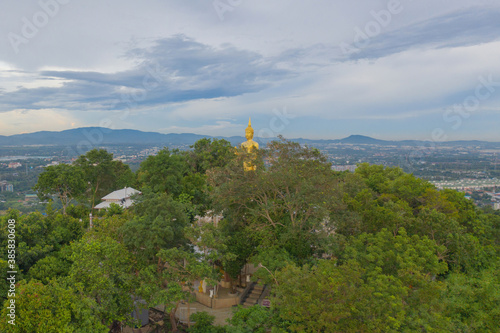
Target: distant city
<point x="472" y="167"/>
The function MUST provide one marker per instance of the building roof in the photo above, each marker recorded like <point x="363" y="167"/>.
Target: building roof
<point x="125" y="203"/>
<point x="124" y="193"/>
<point x="119" y="197"/>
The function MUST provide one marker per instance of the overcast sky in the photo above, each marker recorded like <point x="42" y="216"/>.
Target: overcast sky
<point x="327" y="69"/>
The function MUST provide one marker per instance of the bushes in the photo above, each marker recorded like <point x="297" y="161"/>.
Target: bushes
<point x="204" y="323"/>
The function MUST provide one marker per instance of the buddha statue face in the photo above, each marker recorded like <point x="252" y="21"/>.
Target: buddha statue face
<point x="249" y="133"/>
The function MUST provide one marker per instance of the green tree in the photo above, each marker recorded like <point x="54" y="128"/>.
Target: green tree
<point x="256" y="319"/>
<point x="210" y="153"/>
<point x="63" y="181"/>
<point x="204" y="323"/>
<point x="416" y="262"/>
<point x="338" y="298"/>
<point x="4" y="283"/>
<point x="155" y="237"/>
<point x="286" y="203"/>
<point x="50" y="308"/>
<point x="171" y="280"/>
<point x="163" y="173"/>
<point x="226" y="246"/>
<point x="51" y="267"/>
<point x="473" y="301"/>
<point x="394" y="181"/>
<point x="158" y="224"/>
<point x="102" y="174"/>
<point x="114" y="209"/>
<point x="393" y="200"/>
<point x="102" y="270"/>
<point x="170" y="172"/>
<point x="38" y="236"/>
<point x="408" y="257"/>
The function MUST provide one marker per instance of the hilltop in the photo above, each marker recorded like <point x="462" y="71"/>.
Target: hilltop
<point x="103" y="136"/>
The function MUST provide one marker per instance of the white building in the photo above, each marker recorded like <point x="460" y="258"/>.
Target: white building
<point x="119" y="197"/>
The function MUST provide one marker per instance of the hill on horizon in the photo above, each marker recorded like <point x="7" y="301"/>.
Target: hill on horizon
<point x="103" y="136"/>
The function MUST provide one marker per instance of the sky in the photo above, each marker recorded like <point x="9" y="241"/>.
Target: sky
<point x="323" y="69"/>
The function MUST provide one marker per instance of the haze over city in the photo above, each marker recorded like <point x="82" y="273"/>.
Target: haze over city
<point x="392" y="69"/>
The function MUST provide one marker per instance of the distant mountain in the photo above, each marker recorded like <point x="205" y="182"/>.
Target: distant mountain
<point x="98" y="136"/>
<point x="102" y="136"/>
<point x="361" y="139"/>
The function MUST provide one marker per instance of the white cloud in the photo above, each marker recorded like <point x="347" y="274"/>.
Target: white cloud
<point x="26" y="121"/>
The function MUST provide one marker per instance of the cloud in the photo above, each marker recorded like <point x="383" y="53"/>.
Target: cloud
<point x="175" y="66"/>
<point x="465" y="27"/>
<point x="175" y="69"/>
<point x="31" y="121"/>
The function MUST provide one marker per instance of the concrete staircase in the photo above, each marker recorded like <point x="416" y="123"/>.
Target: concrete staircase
<point x="253" y="295"/>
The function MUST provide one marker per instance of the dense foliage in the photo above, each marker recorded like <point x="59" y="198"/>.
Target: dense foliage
<point x="377" y="250"/>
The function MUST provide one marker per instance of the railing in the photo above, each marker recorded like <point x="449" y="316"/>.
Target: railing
<point x="245" y="292"/>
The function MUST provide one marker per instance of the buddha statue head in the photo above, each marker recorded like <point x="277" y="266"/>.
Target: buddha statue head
<point x="249" y="130"/>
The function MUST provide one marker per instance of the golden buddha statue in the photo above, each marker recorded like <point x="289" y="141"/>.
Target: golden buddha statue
<point x="249" y="146"/>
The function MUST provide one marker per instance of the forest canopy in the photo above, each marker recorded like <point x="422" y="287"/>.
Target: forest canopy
<point x="377" y="250"/>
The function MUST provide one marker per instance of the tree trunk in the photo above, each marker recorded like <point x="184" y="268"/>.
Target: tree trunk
<point x="158" y="266"/>
<point x="64" y="201"/>
<point x="173" y="322"/>
<point x="188" y="315"/>
<point x="93" y="195"/>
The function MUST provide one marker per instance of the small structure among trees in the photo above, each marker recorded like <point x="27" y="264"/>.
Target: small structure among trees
<point x="122" y="197"/>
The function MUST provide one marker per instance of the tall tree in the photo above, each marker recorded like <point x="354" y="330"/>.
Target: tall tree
<point x="63" y="181"/>
<point x="169" y="172"/>
<point x="285" y="201"/>
<point x="102" y="270"/>
<point x="171" y="281"/>
<point x="161" y="221"/>
<point x="210" y="153"/>
<point x="102" y="174"/>
<point x="163" y="173"/>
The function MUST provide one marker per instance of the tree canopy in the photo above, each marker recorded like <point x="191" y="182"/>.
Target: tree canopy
<point x="64" y="181"/>
<point x="377" y="250"/>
